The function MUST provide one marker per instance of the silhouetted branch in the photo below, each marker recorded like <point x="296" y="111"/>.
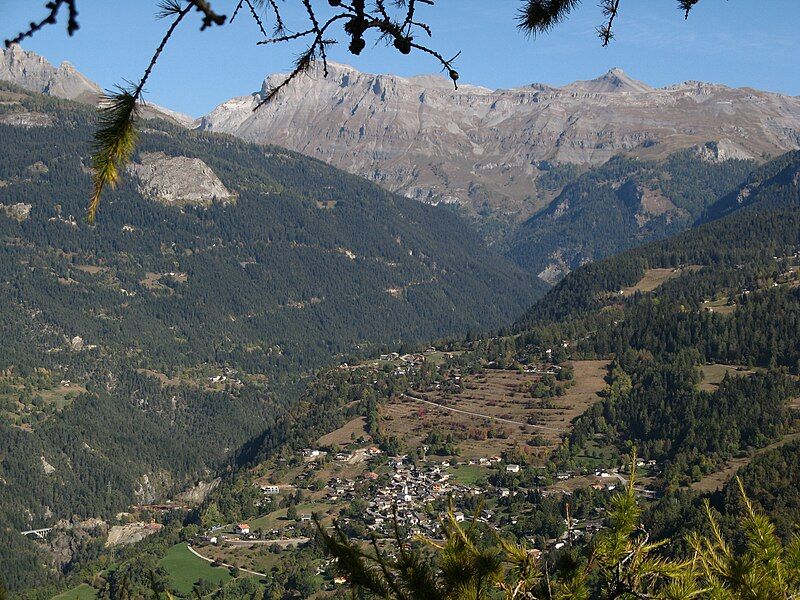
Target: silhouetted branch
<point x="540" y="16"/>
<point x="50" y="19"/>
<point x="358" y="20"/>
<point x="610" y="8"/>
<point x="209" y="16"/>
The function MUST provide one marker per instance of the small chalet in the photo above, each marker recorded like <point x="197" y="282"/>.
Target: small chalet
<point x="243" y="529"/>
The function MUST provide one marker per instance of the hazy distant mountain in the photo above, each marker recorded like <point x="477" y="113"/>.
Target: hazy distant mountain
<point x="486" y="149"/>
<point x="32" y="72"/>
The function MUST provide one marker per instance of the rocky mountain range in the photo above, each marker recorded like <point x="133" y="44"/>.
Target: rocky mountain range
<point x="486" y="149"/>
<point x="34" y="73"/>
<point x="533" y="166"/>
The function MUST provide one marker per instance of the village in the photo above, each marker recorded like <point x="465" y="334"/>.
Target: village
<point x="466" y="452"/>
<point x="415" y="494"/>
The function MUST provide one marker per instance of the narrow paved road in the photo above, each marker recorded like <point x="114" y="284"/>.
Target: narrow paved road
<point x="205" y="558"/>
<point x="284" y="542"/>
<point x="474" y="414"/>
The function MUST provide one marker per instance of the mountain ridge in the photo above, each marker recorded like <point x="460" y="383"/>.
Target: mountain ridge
<point x="34" y="73"/>
<point x="486" y="150"/>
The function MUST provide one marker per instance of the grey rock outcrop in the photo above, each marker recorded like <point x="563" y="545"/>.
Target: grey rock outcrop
<point x="19" y="211"/>
<point x="178" y="180"/>
<point x="68" y="538"/>
<point x="32" y="72"/>
<point x="130" y="533"/>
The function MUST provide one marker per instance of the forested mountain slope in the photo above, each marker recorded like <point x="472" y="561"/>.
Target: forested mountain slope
<point x="728" y="292"/>
<point x="144" y="350"/>
<point x="620" y="205"/>
<point x="750" y="237"/>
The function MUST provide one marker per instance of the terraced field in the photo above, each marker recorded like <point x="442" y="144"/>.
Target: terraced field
<point x="495" y="412"/>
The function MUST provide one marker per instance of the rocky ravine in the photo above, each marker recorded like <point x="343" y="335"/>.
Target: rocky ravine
<point x="485" y="148"/>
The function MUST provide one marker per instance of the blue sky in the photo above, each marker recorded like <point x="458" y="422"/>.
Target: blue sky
<point x="736" y="42"/>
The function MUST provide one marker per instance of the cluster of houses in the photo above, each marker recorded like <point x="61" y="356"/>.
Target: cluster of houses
<point x="404" y="492"/>
<point x="228" y="374"/>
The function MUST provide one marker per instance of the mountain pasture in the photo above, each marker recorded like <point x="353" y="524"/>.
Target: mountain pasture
<point x="495" y="412"/>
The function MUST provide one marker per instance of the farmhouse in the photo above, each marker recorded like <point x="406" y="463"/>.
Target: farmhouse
<point x="243" y="529"/>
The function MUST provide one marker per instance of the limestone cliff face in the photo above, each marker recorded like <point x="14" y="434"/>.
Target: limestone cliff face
<point x="178" y="180"/>
<point x="32" y="72"/>
<point x="482" y="148"/>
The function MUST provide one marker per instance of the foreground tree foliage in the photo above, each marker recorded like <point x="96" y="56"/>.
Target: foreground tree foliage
<point x="621" y="562"/>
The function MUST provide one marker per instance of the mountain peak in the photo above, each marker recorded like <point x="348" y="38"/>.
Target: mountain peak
<point x="32" y="72"/>
<point x="614" y="81"/>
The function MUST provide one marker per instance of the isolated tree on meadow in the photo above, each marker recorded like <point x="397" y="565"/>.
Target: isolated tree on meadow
<point x="396" y="22"/>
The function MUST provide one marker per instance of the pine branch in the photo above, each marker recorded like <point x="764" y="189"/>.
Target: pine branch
<point x="540" y="16"/>
<point x="610" y="9"/>
<point x="253" y="13"/>
<point x="359" y="19"/>
<point x="54" y="6"/>
<point x="116" y="136"/>
<point x="115" y="140"/>
<point x="209" y="16"/>
<point x="686" y="6"/>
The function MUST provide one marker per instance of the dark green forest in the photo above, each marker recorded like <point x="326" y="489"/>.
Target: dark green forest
<point x="620" y="205"/>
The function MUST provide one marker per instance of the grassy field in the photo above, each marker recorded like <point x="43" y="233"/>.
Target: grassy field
<point x="82" y="592"/>
<point x="653" y="278"/>
<point x="719" y="305"/>
<point x="352" y="430"/>
<point x="714" y="374"/>
<point x="498" y="413"/>
<point x="257" y="557"/>
<point x="277" y="519"/>
<point x="185" y="568"/>
<point x="470" y="474"/>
